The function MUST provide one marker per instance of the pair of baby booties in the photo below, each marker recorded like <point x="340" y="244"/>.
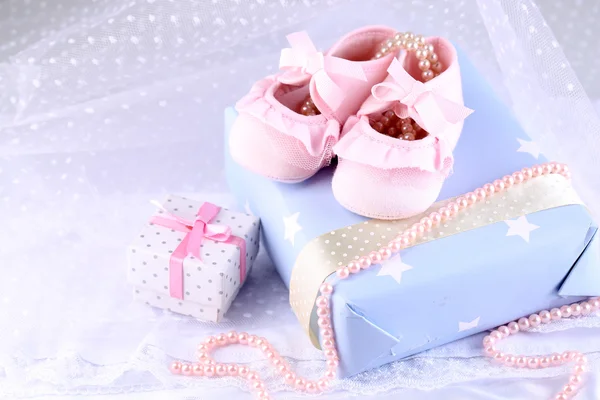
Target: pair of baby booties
<point x="363" y="76"/>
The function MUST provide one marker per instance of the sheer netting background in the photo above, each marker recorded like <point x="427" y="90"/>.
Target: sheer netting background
<point x="107" y="104"/>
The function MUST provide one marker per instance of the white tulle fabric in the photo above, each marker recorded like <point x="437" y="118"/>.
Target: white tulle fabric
<point x="105" y="105"/>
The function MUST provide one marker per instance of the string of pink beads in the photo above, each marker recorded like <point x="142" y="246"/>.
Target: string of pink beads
<point x="553" y="360"/>
<point x="207" y="366"/>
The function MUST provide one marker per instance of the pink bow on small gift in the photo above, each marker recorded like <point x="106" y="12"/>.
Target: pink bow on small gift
<point x="419" y="101"/>
<point x="303" y="62"/>
<point x="197" y="231"/>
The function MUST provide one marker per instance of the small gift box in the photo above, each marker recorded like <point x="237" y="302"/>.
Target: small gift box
<point x="192" y="258"/>
<point x="532" y="247"/>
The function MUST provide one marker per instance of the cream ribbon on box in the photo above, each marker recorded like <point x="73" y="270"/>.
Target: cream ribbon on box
<point x="324" y="254"/>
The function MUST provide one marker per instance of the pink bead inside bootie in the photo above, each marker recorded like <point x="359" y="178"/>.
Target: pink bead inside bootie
<point x="422" y="63"/>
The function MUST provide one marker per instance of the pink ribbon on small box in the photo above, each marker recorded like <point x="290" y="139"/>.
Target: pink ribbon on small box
<point x="197" y="231"/>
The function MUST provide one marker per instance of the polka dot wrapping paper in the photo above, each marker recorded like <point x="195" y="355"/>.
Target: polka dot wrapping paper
<point x="211" y="282"/>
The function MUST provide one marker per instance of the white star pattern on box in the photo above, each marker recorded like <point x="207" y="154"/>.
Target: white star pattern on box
<point x="520" y="227"/>
<point x="465" y="326"/>
<point x="530" y="147"/>
<point x="394" y="267"/>
<point x="247" y="208"/>
<point x="291" y="227"/>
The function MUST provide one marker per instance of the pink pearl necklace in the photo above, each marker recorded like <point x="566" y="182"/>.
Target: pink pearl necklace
<point x="553" y="360"/>
<point x="207" y="366"/>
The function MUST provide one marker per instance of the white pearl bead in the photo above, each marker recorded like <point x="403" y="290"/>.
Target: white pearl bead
<point x="424" y="65"/>
<point x="422" y="54"/>
<point x="411" y="46"/>
<point x="427" y="75"/>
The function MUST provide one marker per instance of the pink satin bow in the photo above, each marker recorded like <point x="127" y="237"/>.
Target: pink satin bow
<point x="419" y="101"/>
<point x="197" y="231"/>
<point x="302" y="62"/>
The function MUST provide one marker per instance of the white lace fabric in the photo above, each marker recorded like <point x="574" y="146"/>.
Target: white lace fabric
<point x="108" y="104"/>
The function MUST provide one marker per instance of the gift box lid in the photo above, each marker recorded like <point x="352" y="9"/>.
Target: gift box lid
<point x="447" y="288"/>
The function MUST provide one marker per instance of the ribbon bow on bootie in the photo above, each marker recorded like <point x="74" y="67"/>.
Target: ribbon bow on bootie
<point x="302" y="62"/>
<point x="419" y="101"/>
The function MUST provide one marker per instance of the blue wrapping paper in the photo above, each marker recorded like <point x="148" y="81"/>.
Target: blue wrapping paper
<point x="458" y="285"/>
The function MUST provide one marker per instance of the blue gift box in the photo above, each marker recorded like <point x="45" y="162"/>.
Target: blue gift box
<point x="458" y="285"/>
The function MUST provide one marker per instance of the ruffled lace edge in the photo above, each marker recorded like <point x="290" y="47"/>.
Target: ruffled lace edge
<point x="315" y="133"/>
<point x="154" y="376"/>
<point x="360" y="143"/>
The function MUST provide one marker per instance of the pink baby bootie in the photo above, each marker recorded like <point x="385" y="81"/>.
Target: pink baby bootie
<point x="395" y="154"/>
<point x="289" y="122"/>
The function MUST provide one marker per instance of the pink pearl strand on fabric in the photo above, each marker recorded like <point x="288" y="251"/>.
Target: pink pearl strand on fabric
<point x="553" y="360"/>
<point x="207" y="366"/>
